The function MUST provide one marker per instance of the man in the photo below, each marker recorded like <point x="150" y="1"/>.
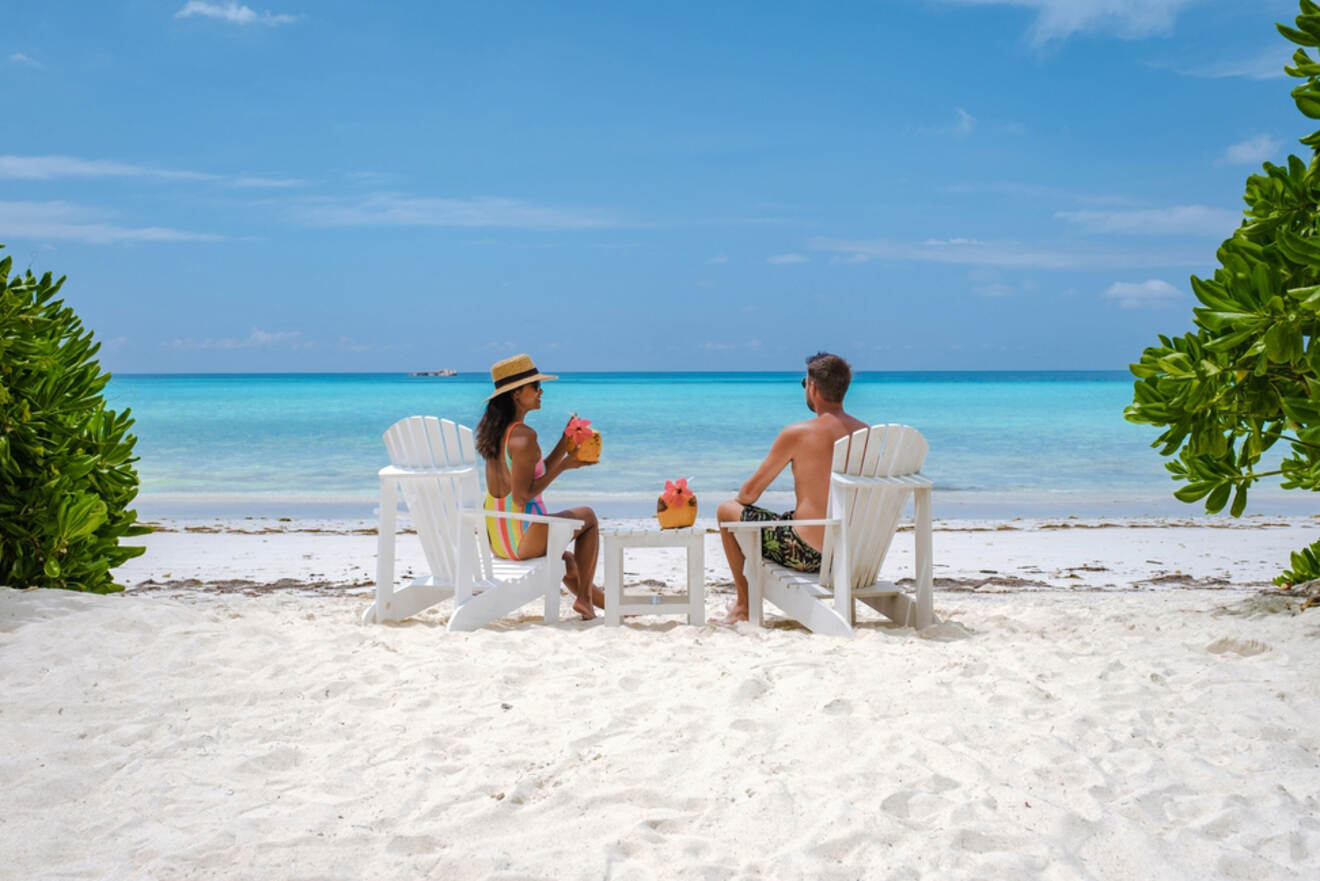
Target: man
<point x="809" y="447"/>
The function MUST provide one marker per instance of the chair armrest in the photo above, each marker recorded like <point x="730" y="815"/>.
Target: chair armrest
<point x="530" y="518"/>
<point x="403" y="473"/>
<point x="762" y="524"/>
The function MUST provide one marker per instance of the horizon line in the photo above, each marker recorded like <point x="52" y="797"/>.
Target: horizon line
<point x="484" y="374"/>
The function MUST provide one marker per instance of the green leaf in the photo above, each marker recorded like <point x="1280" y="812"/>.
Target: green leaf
<point x="1239" y="501"/>
<point x="1298" y="37"/>
<point x="1308" y="103"/>
<point x="1193" y="491"/>
<point x="1218" y="498"/>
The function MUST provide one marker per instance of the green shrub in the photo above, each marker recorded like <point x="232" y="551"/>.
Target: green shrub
<point x="66" y="462"/>
<point x="1248" y="376"/>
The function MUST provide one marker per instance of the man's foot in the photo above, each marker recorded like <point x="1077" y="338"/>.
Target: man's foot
<point x="737" y="612"/>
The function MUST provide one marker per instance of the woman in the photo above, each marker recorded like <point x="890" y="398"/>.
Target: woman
<point x="516" y="475"/>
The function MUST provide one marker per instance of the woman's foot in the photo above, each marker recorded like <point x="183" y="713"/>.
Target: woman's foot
<point x="737" y="613"/>
<point x="582" y="598"/>
<point x="584" y="609"/>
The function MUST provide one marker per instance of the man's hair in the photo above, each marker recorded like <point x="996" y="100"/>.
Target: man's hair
<point x="830" y="374"/>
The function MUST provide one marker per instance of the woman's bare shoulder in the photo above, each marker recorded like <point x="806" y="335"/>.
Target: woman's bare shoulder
<point x="521" y="435"/>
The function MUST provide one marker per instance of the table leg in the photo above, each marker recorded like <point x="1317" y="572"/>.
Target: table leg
<point x="696" y="580"/>
<point x="613" y="581"/>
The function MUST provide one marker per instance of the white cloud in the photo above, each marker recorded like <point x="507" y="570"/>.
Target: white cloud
<point x="259" y="181"/>
<point x="1266" y="66"/>
<point x="51" y="167"/>
<point x="711" y="346"/>
<point x="974" y="252"/>
<point x="1252" y="151"/>
<point x="1005" y="188"/>
<point x="1060" y="19"/>
<point x="1172" y="221"/>
<point x="986" y="282"/>
<point x="719" y="258"/>
<point x="26" y="61"/>
<point x="233" y="13"/>
<point x="940" y="243"/>
<point x="56" y="167"/>
<point x="390" y="209"/>
<point x="66" y="220"/>
<point x="258" y="339"/>
<point x="1034" y="191"/>
<point x="1152" y="294"/>
<point x="786" y="259"/>
<point x="966" y="122"/>
<point x="349" y="345"/>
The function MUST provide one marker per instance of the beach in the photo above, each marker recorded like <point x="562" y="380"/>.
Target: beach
<point x="1102" y="699"/>
<point x="487" y="265"/>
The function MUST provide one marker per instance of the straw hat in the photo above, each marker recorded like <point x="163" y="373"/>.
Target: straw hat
<point x="515" y="372"/>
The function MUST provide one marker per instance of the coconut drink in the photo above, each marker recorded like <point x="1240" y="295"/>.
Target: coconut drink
<point x="583" y="442"/>
<point x="677" y="505"/>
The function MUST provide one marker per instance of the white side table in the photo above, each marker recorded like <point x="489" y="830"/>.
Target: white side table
<point x="618" y="604"/>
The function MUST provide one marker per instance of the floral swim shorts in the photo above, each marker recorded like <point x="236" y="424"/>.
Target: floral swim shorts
<point x="782" y="544"/>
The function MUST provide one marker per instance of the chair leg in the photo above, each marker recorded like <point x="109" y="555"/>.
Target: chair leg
<point x="552" y="594"/>
<point x="750" y="542"/>
<point x="380" y="609"/>
<point x="925" y="574"/>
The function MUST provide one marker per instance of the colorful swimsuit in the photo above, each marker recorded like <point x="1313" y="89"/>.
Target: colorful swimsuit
<point x="506" y="535"/>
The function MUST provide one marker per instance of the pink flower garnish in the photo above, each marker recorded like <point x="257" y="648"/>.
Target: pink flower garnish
<point x="676" y="492"/>
<point x="578" y="430"/>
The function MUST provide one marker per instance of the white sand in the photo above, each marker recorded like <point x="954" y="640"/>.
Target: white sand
<point x="1129" y="729"/>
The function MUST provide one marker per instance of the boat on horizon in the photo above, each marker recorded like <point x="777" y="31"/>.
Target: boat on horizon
<point x="445" y="372"/>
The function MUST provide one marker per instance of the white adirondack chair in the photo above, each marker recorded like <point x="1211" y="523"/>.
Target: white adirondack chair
<point x="875" y="471"/>
<point x="435" y="464"/>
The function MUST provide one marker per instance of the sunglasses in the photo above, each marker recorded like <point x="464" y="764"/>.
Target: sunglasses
<point x="536" y="386"/>
<point x="804" y="382"/>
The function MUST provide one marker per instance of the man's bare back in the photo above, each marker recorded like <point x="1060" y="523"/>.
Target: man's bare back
<point x="810" y="448"/>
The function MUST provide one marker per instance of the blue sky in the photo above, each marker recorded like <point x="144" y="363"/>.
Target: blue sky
<point x="916" y="184"/>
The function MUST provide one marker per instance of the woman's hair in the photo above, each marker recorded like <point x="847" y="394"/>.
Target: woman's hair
<point x="494" y="422"/>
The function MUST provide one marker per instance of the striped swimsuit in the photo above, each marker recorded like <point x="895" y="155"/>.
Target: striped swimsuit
<point x="506" y="535"/>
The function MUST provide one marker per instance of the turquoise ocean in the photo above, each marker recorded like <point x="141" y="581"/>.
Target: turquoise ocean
<point x="1002" y="444"/>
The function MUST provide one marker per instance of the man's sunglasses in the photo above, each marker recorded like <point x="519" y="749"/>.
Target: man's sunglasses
<point x="804" y="382"/>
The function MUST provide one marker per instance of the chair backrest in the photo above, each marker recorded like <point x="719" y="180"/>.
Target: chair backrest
<point x="428" y="442"/>
<point x="870" y="516"/>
